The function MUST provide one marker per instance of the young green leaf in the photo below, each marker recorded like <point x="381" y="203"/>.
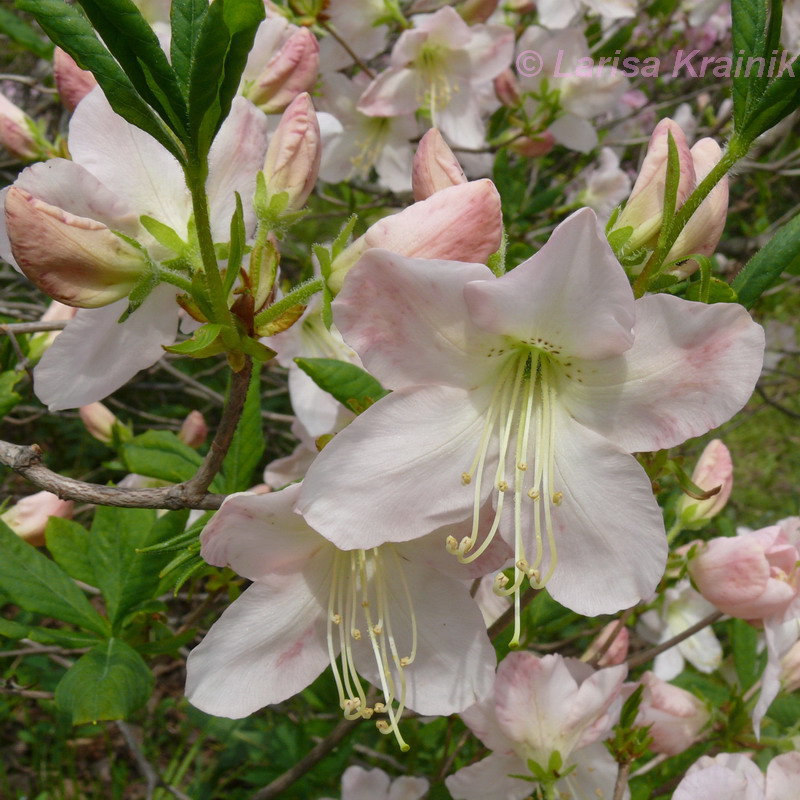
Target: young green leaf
<point x="71" y="546"/>
<point x="34" y="582"/>
<point x="8" y="397"/>
<point x="352" y="386"/>
<point x="749" y="32"/>
<point x="186" y="20"/>
<point x="109" y="682"/>
<point x="764" y="269"/>
<point x="161" y="455"/>
<point x="24" y="35"/>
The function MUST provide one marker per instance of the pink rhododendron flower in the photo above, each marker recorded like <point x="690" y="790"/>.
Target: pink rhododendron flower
<point x="750" y="576"/>
<point x="617" y="652"/>
<point x="544" y="710"/>
<point x="676" y="717"/>
<point x="374" y="784"/>
<point x="72" y="82"/>
<point x="602" y="187"/>
<point x="389" y="614"/>
<point x="735" y="777"/>
<point x="16" y="131"/>
<point x="435" y="167"/>
<point x="531" y="390"/>
<point x="434" y="65"/>
<point x="194" y="429"/>
<point x="117" y="174"/>
<point x="355" y="23"/>
<point x="560" y="13"/>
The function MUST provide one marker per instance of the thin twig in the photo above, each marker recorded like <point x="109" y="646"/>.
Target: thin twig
<point x="504" y="620"/>
<point x="12" y="328"/>
<point x="622" y="780"/>
<point x="643" y="658"/>
<point x="314" y="756"/>
<point x="148" y="773"/>
<point x="348" y="49"/>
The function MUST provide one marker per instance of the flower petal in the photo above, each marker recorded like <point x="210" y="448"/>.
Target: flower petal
<point x="364" y="784"/>
<point x="490" y="779"/>
<point x="266" y="647"/>
<point x="392" y="308"/>
<point x="783" y="776"/>
<point x="129" y="162"/>
<point x="257" y="535"/>
<point x="237" y="154"/>
<point x="591" y="527"/>
<point x="95" y="354"/>
<point x="572" y="297"/>
<point x="692" y="367"/>
<point x="384" y="480"/>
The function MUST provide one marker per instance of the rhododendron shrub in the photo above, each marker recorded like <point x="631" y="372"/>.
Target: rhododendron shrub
<point x="387" y="408"/>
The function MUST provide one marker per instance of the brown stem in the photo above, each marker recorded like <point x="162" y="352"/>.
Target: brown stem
<point x="27" y="461"/>
<point x="9" y="328"/>
<point x="622" y="780"/>
<point x="643" y="658"/>
<point x="314" y="756"/>
<point x="348" y="49"/>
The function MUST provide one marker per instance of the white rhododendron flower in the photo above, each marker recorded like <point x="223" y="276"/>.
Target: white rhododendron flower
<point x="529" y="391"/>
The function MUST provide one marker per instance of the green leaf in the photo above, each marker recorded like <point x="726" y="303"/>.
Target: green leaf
<point x="162" y="455"/>
<point x="8" y="397"/>
<point x="205" y="341"/>
<point x="163" y="234"/>
<point x="749" y="32"/>
<point x="24" y="35"/>
<point x="238" y="241"/>
<point x="70" y="30"/>
<point x="744" y="643"/>
<point x="352" y="386"/>
<point x="57" y="636"/>
<point x="109" y="682"/>
<point x="132" y="41"/>
<point x="221" y="48"/>
<point x="778" y="100"/>
<point x="186" y="19"/>
<point x="34" y="582"/>
<point x="71" y="546"/>
<point x="765" y="268"/>
<point x="126" y="578"/>
<point x="247" y="445"/>
<point x="718" y="292"/>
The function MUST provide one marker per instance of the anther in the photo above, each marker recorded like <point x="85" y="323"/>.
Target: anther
<point x="380" y="708"/>
<point x="405" y="661"/>
<point x="533" y="494"/>
<point x="336" y="619"/>
<point x="502" y="486"/>
<point x="557" y="498"/>
<point x="465" y="546"/>
<point x="451" y="545"/>
<point x="356" y="634"/>
<point x="522" y="466"/>
<point x="377" y="629"/>
<point x="466" y="478"/>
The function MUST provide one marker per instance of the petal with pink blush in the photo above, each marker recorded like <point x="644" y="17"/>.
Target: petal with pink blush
<point x="381" y="480"/>
<point x="490" y="779"/>
<point x="95" y="354"/>
<point x="691" y="368"/>
<point x="571" y="299"/>
<point x="394" y="92"/>
<point x="392" y="308"/>
<point x="266" y="647"/>
<point x="783" y="777"/>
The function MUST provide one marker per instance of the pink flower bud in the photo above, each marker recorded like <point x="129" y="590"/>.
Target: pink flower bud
<point x="506" y="87"/>
<point x="616" y="653"/>
<point x="533" y="147"/>
<point x="294" y="153"/>
<point x="461" y="223"/>
<point x="474" y="11"/>
<point x="73" y="83"/>
<point x="677" y="717"/>
<point x="28" y="518"/>
<point x="98" y="421"/>
<point x="645" y="207"/>
<point x="76" y="260"/>
<point x="714" y="468"/>
<point x="292" y="70"/>
<point x="751" y="576"/>
<point x="704" y="229"/>
<point x="193" y="430"/>
<point x="15" y="131"/>
<point x="435" y="167"/>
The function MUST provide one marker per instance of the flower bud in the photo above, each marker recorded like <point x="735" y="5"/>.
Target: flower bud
<point x="714" y="468"/>
<point x="76" y="260"/>
<point x="294" y="153"/>
<point x="704" y="228"/>
<point x="292" y="70"/>
<point x="506" y="87"/>
<point x="193" y="430"/>
<point x="28" y="518"/>
<point x="645" y="207"/>
<point x="460" y="223"/>
<point x="16" y="131"/>
<point x="751" y="576"/>
<point x="99" y="421"/>
<point x="790" y="669"/>
<point x="435" y="167"/>
<point x="533" y="146"/>
<point x="72" y="82"/>
<point x="475" y="11"/>
<point x="676" y="716"/>
<point x="616" y="653"/>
